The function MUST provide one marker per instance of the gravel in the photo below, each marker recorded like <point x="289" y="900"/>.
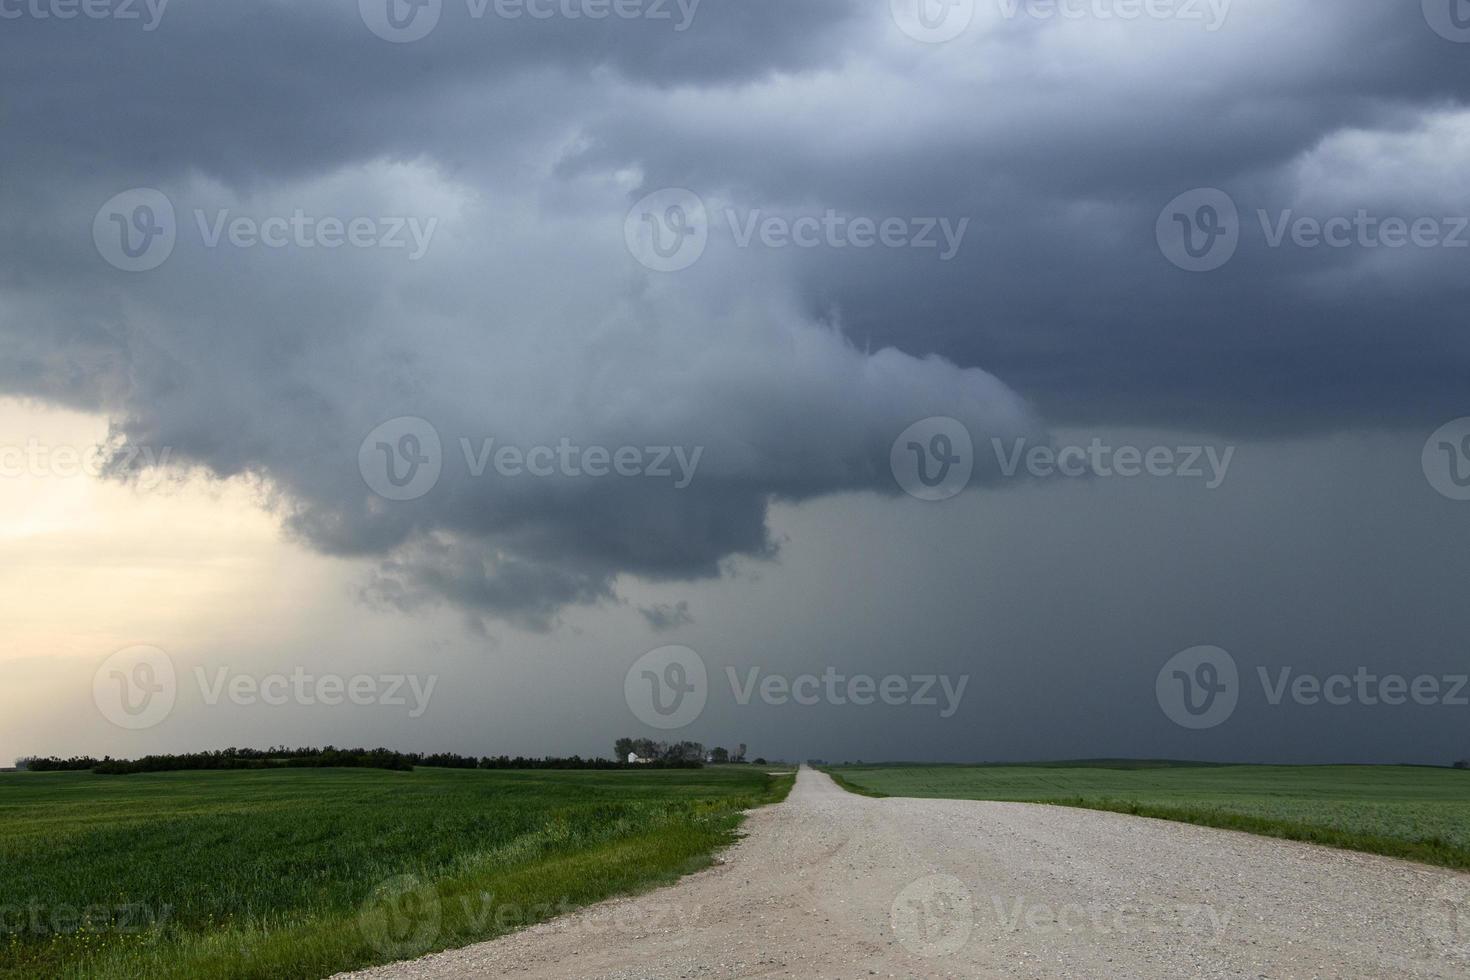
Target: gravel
<point x="832" y="885"/>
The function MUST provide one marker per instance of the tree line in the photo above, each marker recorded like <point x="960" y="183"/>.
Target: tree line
<point x="281" y="757"/>
<point x="652" y="751"/>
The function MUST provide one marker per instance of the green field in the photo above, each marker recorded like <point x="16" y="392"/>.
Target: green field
<point x="300" y="872"/>
<point x="1418" y="813"/>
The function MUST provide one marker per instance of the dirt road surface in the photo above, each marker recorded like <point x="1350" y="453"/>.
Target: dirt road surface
<point x="832" y="885"/>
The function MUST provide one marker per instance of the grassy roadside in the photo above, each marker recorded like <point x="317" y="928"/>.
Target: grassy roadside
<point x="851" y="786"/>
<point x="306" y="873"/>
<point x="1414" y="813"/>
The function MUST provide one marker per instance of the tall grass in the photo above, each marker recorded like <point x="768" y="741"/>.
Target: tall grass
<point x="302" y="873"/>
<point x="1415" y="812"/>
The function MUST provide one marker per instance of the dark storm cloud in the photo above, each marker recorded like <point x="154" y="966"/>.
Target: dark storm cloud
<point x="527" y="321"/>
<point x="251" y="91"/>
<point x="667" y="616"/>
<point x="1060" y="288"/>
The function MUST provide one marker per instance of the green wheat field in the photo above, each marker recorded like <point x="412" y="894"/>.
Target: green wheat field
<point x="1414" y="812"/>
<point x="306" y="872"/>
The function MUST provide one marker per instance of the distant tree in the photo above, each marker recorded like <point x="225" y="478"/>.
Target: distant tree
<point x="760" y="761"/>
<point x="739" y="755"/>
<point x="682" y="752"/>
<point x="623" y="748"/>
<point x="719" y="755"/>
<point x="1463" y="764"/>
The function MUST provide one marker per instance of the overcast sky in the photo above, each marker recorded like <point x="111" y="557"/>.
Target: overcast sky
<point x="488" y="349"/>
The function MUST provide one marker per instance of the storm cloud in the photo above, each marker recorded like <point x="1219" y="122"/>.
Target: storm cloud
<point x="518" y="145"/>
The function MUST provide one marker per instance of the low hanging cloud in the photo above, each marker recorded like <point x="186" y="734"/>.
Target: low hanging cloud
<point x="649" y="428"/>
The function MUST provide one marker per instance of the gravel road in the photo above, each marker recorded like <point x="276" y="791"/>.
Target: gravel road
<point x="831" y="885"/>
